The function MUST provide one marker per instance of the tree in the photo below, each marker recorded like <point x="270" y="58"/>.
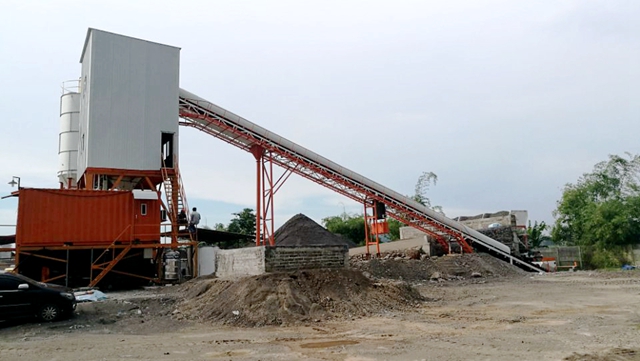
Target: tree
<point x="602" y="209"/>
<point x="422" y="187"/>
<point x="219" y="227"/>
<point x="244" y="222"/>
<point x="350" y="226"/>
<point x="394" y="229"/>
<point x="535" y="234"/>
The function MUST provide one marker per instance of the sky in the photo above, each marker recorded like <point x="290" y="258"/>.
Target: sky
<point x="506" y="101"/>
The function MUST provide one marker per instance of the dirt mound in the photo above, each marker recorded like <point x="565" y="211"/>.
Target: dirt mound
<point x="616" y="354"/>
<point x="301" y="230"/>
<point x="449" y="267"/>
<point x="292" y="298"/>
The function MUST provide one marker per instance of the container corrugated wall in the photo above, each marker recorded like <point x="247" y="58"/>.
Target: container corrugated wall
<point x="52" y="217"/>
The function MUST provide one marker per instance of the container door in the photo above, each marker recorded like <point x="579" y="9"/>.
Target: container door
<point x="141" y="212"/>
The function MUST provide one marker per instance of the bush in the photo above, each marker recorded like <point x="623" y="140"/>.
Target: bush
<point x="596" y="257"/>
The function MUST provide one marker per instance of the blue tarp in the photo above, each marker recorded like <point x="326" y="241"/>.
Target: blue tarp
<point x="90" y="296"/>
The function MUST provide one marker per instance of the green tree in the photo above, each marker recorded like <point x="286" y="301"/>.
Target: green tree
<point x="601" y="211"/>
<point x="394" y="229"/>
<point x="244" y="222"/>
<point x="219" y="227"/>
<point x="422" y="187"/>
<point x="350" y="226"/>
<point x="535" y="234"/>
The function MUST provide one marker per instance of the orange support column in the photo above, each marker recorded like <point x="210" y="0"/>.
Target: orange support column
<point x="266" y="187"/>
<point x="258" y="153"/>
<point x="372" y="227"/>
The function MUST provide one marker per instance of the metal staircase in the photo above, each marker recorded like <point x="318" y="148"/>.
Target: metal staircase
<point x="176" y="201"/>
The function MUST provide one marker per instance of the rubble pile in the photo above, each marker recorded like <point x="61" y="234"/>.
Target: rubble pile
<point x="294" y="298"/>
<point x="401" y="266"/>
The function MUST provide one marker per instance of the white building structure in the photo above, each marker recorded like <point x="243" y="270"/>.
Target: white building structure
<point x="129" y="104"/>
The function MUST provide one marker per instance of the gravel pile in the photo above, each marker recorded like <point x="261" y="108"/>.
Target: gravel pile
<point x="301" y="230"/>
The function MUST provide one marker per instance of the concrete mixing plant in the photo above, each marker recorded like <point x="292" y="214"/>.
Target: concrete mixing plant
<point x="118" y="155"/>
<point x="118" y="149"/>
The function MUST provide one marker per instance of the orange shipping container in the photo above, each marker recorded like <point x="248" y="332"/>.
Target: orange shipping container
<point x="55" y="217"/>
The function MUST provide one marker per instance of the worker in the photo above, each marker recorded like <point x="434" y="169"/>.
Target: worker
<point x="194" y="220"/>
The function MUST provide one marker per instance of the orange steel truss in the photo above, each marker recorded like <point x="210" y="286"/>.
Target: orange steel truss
<point x="266" y="187"/>
<point x="195" y="114"/>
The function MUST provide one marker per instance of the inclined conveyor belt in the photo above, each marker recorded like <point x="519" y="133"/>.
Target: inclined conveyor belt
<point x="223" y="124"/>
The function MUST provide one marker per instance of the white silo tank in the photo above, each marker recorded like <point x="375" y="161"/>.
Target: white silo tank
<point x="68" y="138"/>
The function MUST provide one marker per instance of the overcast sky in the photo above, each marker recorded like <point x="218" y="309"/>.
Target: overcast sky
<point x="506" y="101"/>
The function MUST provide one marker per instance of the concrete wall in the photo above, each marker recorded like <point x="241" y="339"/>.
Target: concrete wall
<point x="635" y="253"/>
<point x="259" y="260"/>
<point x="207" y="260"/>
<point x="514" y="218"/>
<point x="410" y="233"/>
<point x="483" y="223"/>
<point x="295" y="258"/>
<point x="240" y="262"/>
<point x="522" y="217"/>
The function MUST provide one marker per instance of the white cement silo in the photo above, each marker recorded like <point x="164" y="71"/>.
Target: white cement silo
<point x="68" y="137"/>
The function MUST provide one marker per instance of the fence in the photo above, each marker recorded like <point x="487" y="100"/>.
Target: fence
<point x="566" y="257"/>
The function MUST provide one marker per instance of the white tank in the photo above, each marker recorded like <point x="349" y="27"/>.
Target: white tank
<point x="68" y="138"/>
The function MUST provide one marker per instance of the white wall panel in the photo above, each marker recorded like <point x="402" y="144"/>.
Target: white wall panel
<point x="131" y="98"/>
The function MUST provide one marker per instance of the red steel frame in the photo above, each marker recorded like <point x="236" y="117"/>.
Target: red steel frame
<point x="266" y="188"/>
<point x="370" y="227"/>
<point x="195" y="113"/>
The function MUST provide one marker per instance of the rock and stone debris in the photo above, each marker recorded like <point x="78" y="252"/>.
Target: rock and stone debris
<point x="399" y="265"/>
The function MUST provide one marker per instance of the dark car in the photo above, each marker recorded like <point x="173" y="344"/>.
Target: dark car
<point x="22" y="297"/>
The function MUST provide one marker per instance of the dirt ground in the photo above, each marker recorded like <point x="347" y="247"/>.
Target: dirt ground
<point x="569" y="316"/>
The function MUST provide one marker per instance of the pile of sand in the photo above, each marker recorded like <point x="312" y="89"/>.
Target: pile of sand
<point x="292" y="298"/>
<point x="301" y="230"/>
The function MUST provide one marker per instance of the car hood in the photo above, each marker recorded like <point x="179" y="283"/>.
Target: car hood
<point x="55" y="287"/>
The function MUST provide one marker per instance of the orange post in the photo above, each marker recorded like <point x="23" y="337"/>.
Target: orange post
<point x="258" y="152"/>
